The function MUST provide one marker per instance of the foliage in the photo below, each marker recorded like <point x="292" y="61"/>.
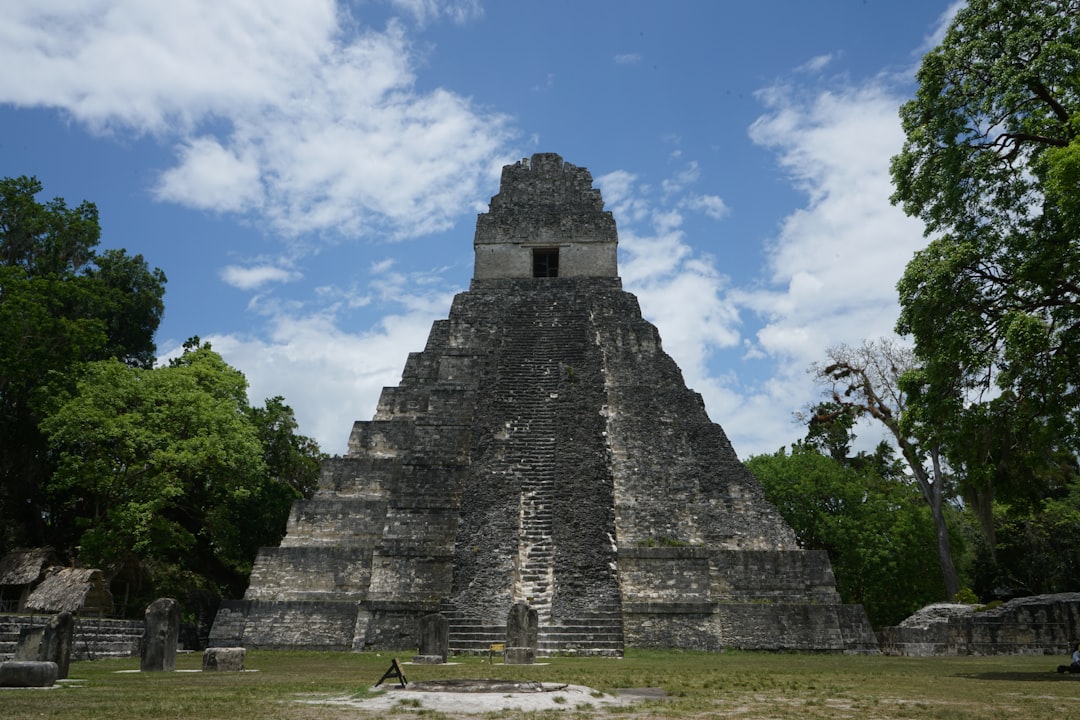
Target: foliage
<point x="991" y="164"/>
<point x="291" y="458"/>
<point x="164" y="475"/>
<point x="167" y="466"/>
<point x="870" y="380"/>
<point x="878" y="533"/>
<point x="61" y="304"/>
<point x="1038" y="550"/>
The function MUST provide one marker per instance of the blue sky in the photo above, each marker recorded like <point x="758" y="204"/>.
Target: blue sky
<point x="308" y="173"/>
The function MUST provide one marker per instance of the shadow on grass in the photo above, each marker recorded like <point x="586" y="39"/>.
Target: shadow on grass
<point x="1050" y="675"/>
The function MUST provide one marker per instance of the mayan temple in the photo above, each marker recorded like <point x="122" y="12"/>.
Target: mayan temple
<point x="542" y="449"/>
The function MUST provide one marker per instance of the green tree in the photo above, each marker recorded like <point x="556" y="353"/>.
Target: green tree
<point x="869" y="380"/>
<point x="878" y="533"/>
<point x="991" y="164"/>
<point x="291" y="458"/>
<point x="61" y="304"/>
<point x="1038" y="551"/>
<point x="167" y="468"/>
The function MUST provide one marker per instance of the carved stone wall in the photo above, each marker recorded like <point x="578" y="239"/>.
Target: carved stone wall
<point x="546" y="204"/>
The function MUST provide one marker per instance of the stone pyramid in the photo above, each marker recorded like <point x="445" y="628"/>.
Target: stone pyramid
<point x="544" y="449"/>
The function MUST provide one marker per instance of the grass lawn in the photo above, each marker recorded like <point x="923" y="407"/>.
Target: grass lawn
<point x="698" y="685"/>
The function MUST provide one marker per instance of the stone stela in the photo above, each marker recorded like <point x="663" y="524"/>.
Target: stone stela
<point x="541" y="449"/>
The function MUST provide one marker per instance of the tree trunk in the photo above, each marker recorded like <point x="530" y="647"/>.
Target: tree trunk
<point x="948" y="568"/>
<point x="933" y="492"/>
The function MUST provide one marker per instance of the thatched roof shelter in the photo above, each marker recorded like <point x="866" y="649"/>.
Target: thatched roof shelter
<point x="76" y="590"/>
<point x="25" y="566"/>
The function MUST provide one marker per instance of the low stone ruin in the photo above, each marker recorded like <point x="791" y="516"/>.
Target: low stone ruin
<point x="1035" y="625"/>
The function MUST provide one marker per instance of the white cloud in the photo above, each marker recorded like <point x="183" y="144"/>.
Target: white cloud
<point x="627" y="59"/>
<point x="331" y="376"/>
<point x="712" y="205"/>
<point x="457" y="11"/>
<point x="815" y="64"/>
<point x="842" y="254"/>
<point x="287" y="112"/>
<point x="679" y="289"/>
<point x="934" y="38"/>
<point x="831" y="272"/>
<point x="211" y="176"/>
<point x="250" y="278"/>
<point x="154" y="66"/>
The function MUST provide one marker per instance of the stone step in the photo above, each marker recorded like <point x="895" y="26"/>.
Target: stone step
<point x="471" y="631"/>
<point x="553" y="635"/>
<point x="581" y="652"/>
<point x="94" y="637"/>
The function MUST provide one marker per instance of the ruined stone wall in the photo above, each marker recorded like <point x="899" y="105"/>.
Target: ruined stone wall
<point x="284" y="625"/>
<point x="1036" y="625"/>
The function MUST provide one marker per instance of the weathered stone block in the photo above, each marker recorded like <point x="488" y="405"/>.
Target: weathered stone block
<point x="223" y="659"/>
<point x="522" y="632"/>
<point x="519" y="655"/>
<point x="51" y="642"/>
<point x="29" y="647"/>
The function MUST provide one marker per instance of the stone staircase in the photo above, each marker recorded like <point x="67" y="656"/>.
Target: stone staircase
<point x="94" y="637"/>
<point x="598" y="633"/>
<point x="470" y="635"/>
<point x="528" y="383"/>
<point x="538" y="351"/>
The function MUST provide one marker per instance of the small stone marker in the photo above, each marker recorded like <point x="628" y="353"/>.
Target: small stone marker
<point x="434" y="645"/>
<point x="522" y="633"/>
<point x="223" y="659"/>
<point x="56" y="645"/>
<point x="27" y="673"/>
<point x="159" y="636"/>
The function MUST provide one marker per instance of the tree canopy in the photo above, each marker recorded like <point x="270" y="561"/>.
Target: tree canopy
<point x="877" y="532"/>
<point x="168" y="467"/>
<point x="165" y="477"/>
<point x="869" y="381"/>
<point x="991" y="164"/>
<point x="61" y="304"/>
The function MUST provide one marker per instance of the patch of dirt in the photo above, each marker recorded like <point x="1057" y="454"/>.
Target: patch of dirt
<point x="499" y="696"/>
